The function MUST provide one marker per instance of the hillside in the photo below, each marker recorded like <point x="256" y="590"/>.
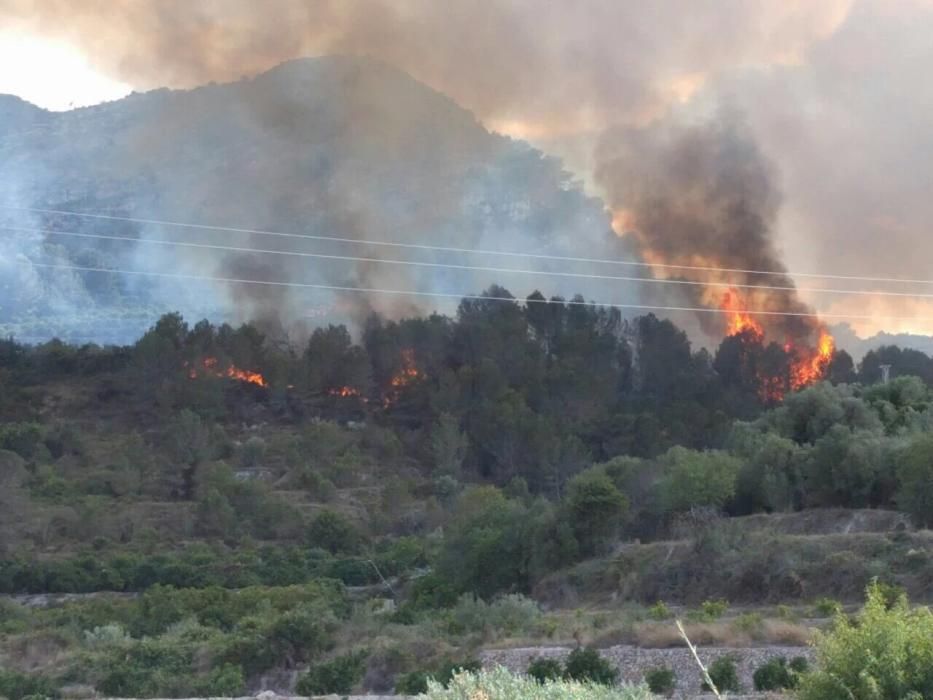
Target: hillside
<point x="332" y="146"/>
<point x="208" y="511"/>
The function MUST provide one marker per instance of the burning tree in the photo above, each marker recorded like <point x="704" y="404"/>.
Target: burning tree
<point x="772" y="369"/>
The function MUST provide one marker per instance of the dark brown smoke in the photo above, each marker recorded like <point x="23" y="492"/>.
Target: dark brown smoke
<point x="703" y="195"/>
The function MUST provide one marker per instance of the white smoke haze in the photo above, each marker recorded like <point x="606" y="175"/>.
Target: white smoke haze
<point x="832" y="95"/>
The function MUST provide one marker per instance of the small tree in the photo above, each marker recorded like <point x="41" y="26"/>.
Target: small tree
<point x="776" y="674"/>
<point x="448" y="446"/>
<point x="694" y="478"/>
<point x="723" y="674"/>
<point x="661" y="680"/>
<point x="596" y="509"/>
<point x="586" y="664"/>
<point x="336" y="676"/>
<point x="333" y="532"/>
<point x="542" y="669"/>
<point x="885" y="654"/>
<point x="916" y="474"/>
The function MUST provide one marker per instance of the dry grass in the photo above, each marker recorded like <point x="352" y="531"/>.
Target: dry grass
<point x="662" y="635"/>
<point x="787" y="633"/>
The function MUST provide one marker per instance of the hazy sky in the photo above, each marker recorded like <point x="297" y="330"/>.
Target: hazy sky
<point x="837" y="93"/>
<point x="52" y="73"/>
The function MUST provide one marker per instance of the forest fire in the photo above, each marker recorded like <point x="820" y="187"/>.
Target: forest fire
<point x="409" y="371"/>
<point x="211" y="366"/>
<point x="812" y="367"/>
<point x="804" y="365"/>
<point x="343" y="392"/>
<point x="738" y="317"/>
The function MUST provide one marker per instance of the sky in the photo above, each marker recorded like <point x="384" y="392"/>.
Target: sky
<point x="835" y="93"/>
<point x="52" y="73"/>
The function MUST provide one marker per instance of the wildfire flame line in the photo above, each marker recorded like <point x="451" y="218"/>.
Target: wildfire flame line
<point x="210" y="366"/>
<point x="408" y="373"/>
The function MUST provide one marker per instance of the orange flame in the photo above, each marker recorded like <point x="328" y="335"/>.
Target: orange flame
<point x="408" y="373"/>
<point x="210" y="366"/>
<point x="344" y="391"/>
<point x="739" y="320"/>
<point x="812" y="366"/>
<point x="806" y="365"/>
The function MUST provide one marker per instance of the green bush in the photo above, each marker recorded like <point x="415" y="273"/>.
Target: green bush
<point x="826" y="607"/>
<point x="542" y="669"/>
<point x="335" y="533"/>
<point x="449" y="669"/>
<point x="21" y="438"/>
<point x="710" y="611"/>
<point x="659" y="611"/>
<point x="776" y="674"/>
<point x="661" y="680"/>
<point x="510" y="614"/>
<point x="499" y="684"/>
<point x="885" y="654"/>
<point x="225" y="681"/>
<point x="16" y="686"/>
<point x="338" y="675"/>
<point x="586" y="664"/>
<point x="714" y="609"/>
<point x="412" y="683"/>
<point x="723" y="674"/>
<point x="152" y="667"/>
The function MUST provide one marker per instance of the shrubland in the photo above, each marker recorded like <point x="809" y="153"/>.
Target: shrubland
<point x="376" y="510"/>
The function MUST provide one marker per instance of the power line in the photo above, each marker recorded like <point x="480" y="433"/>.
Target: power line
<point x="475" y="268"/>
<point x="451" y="295"/>
<point x="473" y="251"/>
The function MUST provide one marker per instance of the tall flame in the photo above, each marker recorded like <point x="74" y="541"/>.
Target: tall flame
<point x="739" y="320"/>
<point x="806" y="365"/>
<point x="813" y="364"/>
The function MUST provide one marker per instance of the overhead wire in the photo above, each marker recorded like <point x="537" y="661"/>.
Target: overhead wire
<point x="451" y="295"/>
<point x="473" y="251"/>
<point x="472" y="268"/>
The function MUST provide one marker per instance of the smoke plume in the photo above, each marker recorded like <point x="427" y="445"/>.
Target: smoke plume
<point x="833" y="92"/>
<point x="703" y="195"/>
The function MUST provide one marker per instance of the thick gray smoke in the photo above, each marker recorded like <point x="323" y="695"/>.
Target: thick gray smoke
<point x="336" y="147"/>
<point x="834" y="93"/>
<point x="703" y="195"/>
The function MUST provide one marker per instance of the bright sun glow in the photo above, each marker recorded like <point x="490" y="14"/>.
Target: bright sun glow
<point x="51" y="74"/>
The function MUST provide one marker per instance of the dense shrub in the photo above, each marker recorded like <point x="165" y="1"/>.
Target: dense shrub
<point x="542" y="669"/>
<point x="885" y="654"/>
<point x="586" y="664"/>
<point x="338" y="675"/>
<point x="15" y="685"/>
<point x="661" y="680"/>
<point x="511" y="614"/>
<point x="826" y="607"/>
<point x="334" y="532"/>
<point x="724" y="675"/>
<point x="710" y="610"/>
<point x="412" y="683"/>
<point x="776" y="674"/>
<point x="659" y="611"/>
<point x="499" y="684"/>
